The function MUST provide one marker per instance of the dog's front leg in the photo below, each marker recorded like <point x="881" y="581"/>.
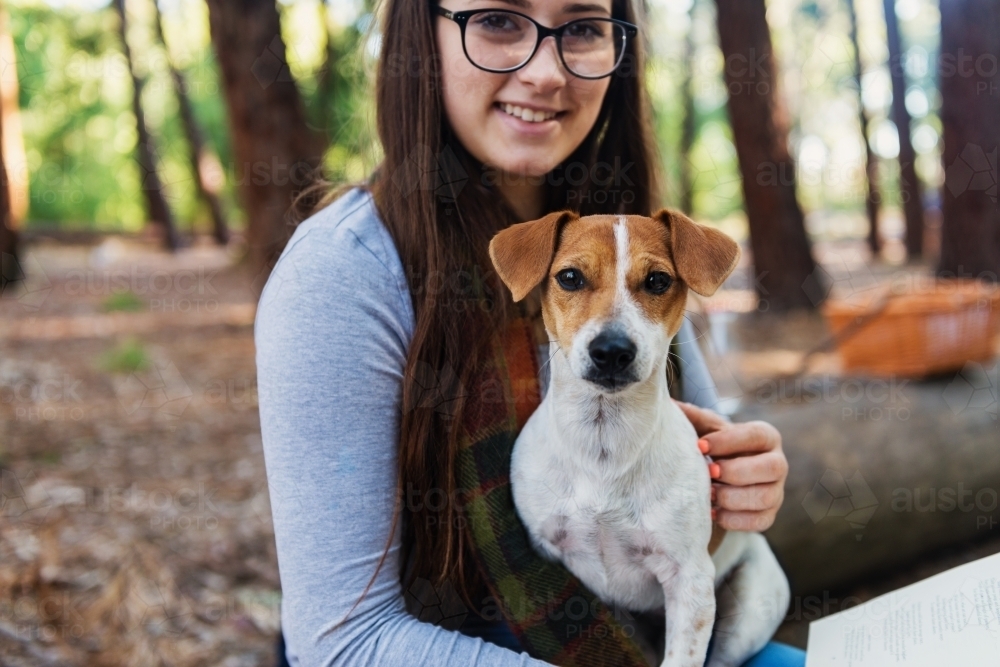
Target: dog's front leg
<point x="751" y="603"/>
<point x="689" y="591"/>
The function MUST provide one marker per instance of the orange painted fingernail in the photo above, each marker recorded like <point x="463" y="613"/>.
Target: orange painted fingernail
<point x="714" y="513"/>
<point x="714" y="470"/>
<point x="715" y="495"/>
<point x="703" y="445"/>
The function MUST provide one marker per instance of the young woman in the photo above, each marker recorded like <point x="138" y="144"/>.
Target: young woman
<point x="485" y="119"/>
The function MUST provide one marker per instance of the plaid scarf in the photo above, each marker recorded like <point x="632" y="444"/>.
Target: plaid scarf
<point x="553" y="615"/>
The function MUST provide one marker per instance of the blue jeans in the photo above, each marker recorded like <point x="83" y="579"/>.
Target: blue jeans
<point x="775" y="654"/>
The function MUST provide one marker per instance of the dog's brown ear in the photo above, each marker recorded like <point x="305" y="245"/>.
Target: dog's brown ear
<point x="523" y="252"/>
<point x="704" y="256"/>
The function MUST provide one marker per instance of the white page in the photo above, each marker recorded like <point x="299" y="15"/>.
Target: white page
<point x="950" y="619"/>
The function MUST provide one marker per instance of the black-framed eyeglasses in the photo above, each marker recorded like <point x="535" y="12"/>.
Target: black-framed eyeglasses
<point x="500" y="41"/>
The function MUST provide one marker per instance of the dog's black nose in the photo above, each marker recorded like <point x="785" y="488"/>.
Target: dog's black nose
<point x="611" y="352"/>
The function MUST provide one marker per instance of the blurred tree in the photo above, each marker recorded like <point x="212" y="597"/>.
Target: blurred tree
<point x="783" y="261"/>
<point x="970" y="116"/>
<point x="342" y="93"/>
<point x="8" y="248"/>
<point x="9" y="268"/>
<point x="204" y="161"/>
<point x="689" y="122"/>
<point x="14" y="157"/>
<point x="152" y="187"/>
<point x="275" y="150"/>
<point x="910" y="191"/>
<point x="871" y="162"/>
<point x="328" y="73"/>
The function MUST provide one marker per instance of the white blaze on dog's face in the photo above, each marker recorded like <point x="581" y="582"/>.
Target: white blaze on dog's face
<point x="614" y="287"/>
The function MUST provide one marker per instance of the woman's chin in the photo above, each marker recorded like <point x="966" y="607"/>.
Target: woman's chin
<point x="528" y="167"/>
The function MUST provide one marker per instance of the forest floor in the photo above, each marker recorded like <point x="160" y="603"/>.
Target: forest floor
<point x="136" y="525"/>
<point x="135" y="522"/>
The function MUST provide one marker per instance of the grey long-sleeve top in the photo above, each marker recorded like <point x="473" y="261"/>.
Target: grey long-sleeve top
<point x="332" y="331"/>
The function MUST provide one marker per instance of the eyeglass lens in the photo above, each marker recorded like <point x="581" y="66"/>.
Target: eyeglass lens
<point x="502" y="40"/>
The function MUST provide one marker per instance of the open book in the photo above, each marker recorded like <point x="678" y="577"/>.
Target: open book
<point x="950" y="619"/>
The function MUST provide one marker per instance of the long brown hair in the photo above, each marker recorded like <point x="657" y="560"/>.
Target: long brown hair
<point x="442" y="207"/>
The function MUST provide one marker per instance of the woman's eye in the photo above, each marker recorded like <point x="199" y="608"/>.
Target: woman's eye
<point x="495" y="22"/>
<point x="658" y="282"/>
<point x="585" y="30"/>
<point x="570" y="279"/>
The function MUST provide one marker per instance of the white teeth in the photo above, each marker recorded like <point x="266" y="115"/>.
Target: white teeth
<point x="527" y="114"/>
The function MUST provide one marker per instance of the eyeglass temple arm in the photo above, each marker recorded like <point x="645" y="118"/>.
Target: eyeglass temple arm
<point x="630" y="30"/>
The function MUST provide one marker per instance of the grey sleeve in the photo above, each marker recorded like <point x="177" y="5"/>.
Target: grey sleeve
<point x="332" y="331"/>
<point x="697" y="384"/>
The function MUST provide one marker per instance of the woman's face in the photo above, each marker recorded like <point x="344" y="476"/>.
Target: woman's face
<point x="475" y="99"/>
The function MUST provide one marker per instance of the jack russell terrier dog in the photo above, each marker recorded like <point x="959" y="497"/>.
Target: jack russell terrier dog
<point x="606" y="474"/>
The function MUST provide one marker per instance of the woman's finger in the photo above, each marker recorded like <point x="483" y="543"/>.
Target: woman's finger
<point x="745" y="521"/>
<point x="753" y="498"/>
<point x="764" y="468"/>
<point x="743" y="438"/>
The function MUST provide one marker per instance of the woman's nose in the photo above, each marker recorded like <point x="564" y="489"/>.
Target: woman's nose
<point x="545" y="69"/>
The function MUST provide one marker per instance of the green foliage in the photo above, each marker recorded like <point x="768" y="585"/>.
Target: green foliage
<point x="338" y="95"/>
<point x="79" y="129"/>
<point x="123" y="301"/>
<point x="126" y="357"/>
<point x="348" y="106"/>
<point x="712" y="163"/>
<point x="71" y="110"/>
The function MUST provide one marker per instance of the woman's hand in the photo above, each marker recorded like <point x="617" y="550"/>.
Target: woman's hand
<point x="748" y="470"/>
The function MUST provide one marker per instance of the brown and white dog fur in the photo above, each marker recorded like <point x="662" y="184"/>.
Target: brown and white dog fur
<point x="606" y="474"/>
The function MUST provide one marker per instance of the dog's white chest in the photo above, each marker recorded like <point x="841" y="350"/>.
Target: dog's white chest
<point x="613" y="531"/>
<point x="602" y="540"/>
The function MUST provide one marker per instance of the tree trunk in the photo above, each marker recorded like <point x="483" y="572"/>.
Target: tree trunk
<point x="8" y="242"/>
<point x="10" y="268"/>
<point x="970" y="116"/>
<point x="871" y="163"/>
<point x="14" y="157"/>
<point x="152" y="188"/>
<point x="201" y="157"/>
<point x="276" y="153"/>
<point x="909" y="185"/>
<point x="786" y="275"/>
<point x="9" y="265"/>
<point x="689" y="124"/>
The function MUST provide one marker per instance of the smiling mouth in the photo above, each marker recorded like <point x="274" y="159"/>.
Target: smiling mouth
<point x="528" y="115"/>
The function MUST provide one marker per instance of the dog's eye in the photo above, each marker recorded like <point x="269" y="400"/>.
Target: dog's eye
<point x="658" y="282"/>
<point x="570" y="279"/>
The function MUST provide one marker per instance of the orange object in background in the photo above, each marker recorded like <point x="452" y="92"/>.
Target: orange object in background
<point x="917" y="331"/>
